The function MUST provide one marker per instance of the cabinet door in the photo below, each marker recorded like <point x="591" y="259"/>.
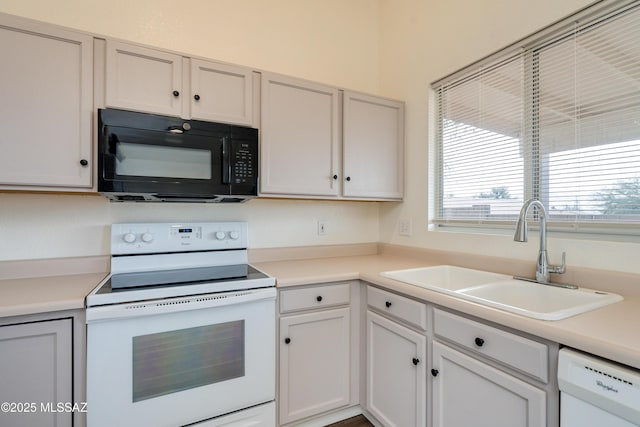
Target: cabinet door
<point x="373" y="147"/>
<point x="488" y="396"/>
<point x="35" y="369"/>
<point x="300" y="138"/>
<point x="396" y="373"/>
<point x="46" y="103"/>
<point x="314" y="363"/>
<point x="143" y="79"/>
<point x="221" y="93"/>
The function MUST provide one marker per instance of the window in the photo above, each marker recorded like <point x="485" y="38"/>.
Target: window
<point x="555" y="117"/>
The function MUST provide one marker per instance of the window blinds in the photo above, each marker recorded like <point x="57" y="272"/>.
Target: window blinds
<point x="558" y="120"/>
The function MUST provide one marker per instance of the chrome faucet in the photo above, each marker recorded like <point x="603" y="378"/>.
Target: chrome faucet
<point x="543" y="268"/>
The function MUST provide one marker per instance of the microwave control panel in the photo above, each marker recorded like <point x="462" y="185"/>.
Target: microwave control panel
<point x="244" y="163"/>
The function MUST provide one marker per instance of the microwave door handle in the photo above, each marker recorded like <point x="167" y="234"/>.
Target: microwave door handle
<point x="226" y="160"/>
<point x="113" y="148"/>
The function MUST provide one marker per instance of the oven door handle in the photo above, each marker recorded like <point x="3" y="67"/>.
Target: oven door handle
<point x="172" y="305"/>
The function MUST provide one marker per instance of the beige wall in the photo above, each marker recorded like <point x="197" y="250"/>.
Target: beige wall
<point x="423" y="40"/>
<point x="331" y="41"/>
<point x="391" y="47"/>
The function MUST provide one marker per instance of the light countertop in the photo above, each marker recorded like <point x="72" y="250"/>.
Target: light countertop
<point x="23" y="296"/>
<point x="609" y="332"/>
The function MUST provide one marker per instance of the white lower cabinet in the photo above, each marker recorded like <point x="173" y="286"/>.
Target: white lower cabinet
<point x="417" y="365"/>
<point x="36" y="374"/>
<point x="487" y="376"/>
<point x="315" y="350"/>
<point x="468" y="392"/>
<point x="396" y="373"/>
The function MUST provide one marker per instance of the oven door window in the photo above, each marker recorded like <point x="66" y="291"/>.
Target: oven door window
<point x="169" y="362"/>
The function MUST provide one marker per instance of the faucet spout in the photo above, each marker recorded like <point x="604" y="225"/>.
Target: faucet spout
<point x="543" y="268"/>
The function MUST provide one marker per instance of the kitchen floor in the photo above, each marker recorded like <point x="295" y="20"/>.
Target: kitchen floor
<point x="359" y="421"/>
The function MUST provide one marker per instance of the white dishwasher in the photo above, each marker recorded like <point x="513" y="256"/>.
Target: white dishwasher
<point x="597" y="392"/>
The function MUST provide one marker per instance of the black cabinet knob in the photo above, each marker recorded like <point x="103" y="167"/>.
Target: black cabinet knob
<point x="176" y="93"/>
<point x="435" y="372"/>
<point x="84" y="162"/>
<point x="196" y="97"/>
<point x="287" y="340"/>
<point x="335" y="177"/>
<point x="415" y="361"/>
<point x="319" y="298"/>
<point x="479" y="341"/>
<point x="348" y="178"/>
<point x="388" y="304"/>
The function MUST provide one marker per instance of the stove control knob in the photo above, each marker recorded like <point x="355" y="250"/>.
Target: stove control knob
<point x="220" y="235"/>
<point x="147" y="237"/>
<point x="234" y="235"/>
<point x="129" y="237"/>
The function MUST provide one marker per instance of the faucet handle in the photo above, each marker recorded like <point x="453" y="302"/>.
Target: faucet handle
<point x="558" y="269"/>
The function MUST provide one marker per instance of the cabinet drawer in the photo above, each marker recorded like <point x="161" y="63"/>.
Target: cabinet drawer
<point x="525" y="355"/>
<point x="408" y="310"/>
<point x="314" y="297"/>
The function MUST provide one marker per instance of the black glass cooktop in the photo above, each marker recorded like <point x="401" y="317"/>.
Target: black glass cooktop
<point x="179" y="277"/>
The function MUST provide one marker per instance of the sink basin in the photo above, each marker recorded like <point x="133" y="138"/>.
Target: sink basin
<point x="501" y="291"/>
<point x="444" y="277"/>
<point x="538" y="301"/>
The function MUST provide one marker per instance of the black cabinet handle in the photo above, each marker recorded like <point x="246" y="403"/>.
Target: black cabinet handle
<point x="388" y="304"/>
<point x="479" y="341"/>
<point x="415" y="361"/>
<point x="196" y="97"/>
<point x="176" y="93"/>
<point x="348" y="178"/>
<point x="335" y="177"/>
<point x="435" y="372"/>
<point x="84" y="162"/>
<point x="287" y="340"/>
<point x="319" y="298"/>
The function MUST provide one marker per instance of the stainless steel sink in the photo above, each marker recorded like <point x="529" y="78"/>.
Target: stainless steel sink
<point x="501" y="291"/>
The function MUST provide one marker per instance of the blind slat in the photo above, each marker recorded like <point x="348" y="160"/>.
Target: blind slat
<point x="560" y="120"/>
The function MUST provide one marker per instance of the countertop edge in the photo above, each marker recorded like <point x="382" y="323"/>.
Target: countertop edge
<point x="568" y="332"/>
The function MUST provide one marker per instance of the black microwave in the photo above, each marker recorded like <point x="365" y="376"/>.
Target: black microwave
<point x="148" y="157"/>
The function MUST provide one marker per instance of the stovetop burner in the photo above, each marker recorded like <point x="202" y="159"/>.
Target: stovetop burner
<point x="167" y="260"/>
<point x="179" y="276"/>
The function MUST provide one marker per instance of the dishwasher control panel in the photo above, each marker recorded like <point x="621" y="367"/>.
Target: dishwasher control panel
<point x="596" y="391"/>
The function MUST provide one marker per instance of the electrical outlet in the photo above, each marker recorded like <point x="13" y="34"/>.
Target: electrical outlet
<point x="405" y="227"/>
<point x="323" y="228"/>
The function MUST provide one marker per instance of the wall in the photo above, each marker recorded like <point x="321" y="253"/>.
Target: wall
<point x="46" y="226"/>
<point x="331" y="41"/>
<point x="424" y="40"/>
<point x="392" y="47"/>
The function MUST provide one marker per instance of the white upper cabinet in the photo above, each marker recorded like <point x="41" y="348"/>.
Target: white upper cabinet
<point x="143" y="79"/>
<point x="300" y="138"/>
<point x="155" y="81"/>
<point x="221" y="92"/>
<point x="305" y="155"/>
<point x="46" y="103"/>
<point x="373" y="147"/>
